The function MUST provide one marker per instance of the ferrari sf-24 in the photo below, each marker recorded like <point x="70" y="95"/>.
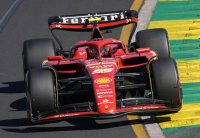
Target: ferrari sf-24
<point x="100" y="77"/>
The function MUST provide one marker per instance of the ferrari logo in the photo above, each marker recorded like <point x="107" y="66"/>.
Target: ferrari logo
<point x="58" y="26"/>
<point x="106" y="107"/>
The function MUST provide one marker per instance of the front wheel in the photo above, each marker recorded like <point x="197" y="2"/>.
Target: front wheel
<point x="165" y="81"/>
<point x="41" y="92"/>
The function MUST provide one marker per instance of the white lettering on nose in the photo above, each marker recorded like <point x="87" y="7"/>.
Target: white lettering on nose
<point x="102" y="71"/>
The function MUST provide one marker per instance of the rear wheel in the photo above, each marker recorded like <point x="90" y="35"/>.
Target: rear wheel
<point x="40" y="92"/>
<point x="155" y="39"/>
<point x="35" y="51"/>
<point x="165" y="81"/>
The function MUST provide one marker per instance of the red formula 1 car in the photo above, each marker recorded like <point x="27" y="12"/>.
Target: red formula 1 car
<point x="100" y="78"/>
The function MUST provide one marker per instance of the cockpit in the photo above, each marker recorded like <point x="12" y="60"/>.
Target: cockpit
<point x="94" y="52"/>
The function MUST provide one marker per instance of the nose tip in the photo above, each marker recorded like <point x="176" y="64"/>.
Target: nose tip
<point x="106" y="108"/>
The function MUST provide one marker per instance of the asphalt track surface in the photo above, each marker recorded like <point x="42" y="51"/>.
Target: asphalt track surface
<point x="29" y="20"/>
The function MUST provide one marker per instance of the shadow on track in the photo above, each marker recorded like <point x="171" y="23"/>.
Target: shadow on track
<point x="14" y="122"/>
<point x="162" y="119"/>
<point x="19" y="105"/>
<point x="13" y="87"/>
<point x="22" y="125"/>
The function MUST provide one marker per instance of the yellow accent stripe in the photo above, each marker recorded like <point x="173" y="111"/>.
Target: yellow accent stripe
<point x="179" y="29"/>
<point x="126" y="30"/>
<point x="138" y="128"/>
<point x="189" y="71"/>
<point x="188" y="115"/>
<point x="137" y="4"/>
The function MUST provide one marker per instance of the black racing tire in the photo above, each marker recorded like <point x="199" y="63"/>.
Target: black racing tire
<point x="165" y="81"/>
<point x="156" y="40"/>
<point x="40" y="87"/>
<point x="35" y="51"/>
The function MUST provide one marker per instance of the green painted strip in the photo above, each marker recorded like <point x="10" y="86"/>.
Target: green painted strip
<point x="185" y="49"/>
<point x="177" y="10"/>
<point x="192" y="99"/>
<point x="191" y="93"/>
<point x="168" y="130"/>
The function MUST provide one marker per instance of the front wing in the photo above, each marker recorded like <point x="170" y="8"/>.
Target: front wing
<point x="154" y="107"/>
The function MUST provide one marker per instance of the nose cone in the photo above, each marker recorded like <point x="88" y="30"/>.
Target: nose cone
<point x="105" y="96"/>
<point x="102" y="75"/>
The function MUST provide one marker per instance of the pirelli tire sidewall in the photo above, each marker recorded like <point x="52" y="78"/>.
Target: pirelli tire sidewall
<point x="40" y="90"/>
<point x="165" y="81"/>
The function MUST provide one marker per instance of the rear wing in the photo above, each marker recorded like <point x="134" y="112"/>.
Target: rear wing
<point x="104" y="20"/>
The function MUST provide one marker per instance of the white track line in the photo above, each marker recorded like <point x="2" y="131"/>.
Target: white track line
<point x="9" y="13"/>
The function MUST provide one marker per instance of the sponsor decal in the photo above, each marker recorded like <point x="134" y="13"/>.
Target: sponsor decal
<point x="84" y="19"/>
<point x="105" y="100"/>
<point x="100" y="96"/>
<point x="102" y="93"/>
<point x="103" y="86"/>
<point x="82" y="53"/>
<point x="105" y="103"/>
<point x="103" y="90"/>
<point x="58" y="26"/>
<point x="104" y="66"/>
<point x="106" y="107"/>
<point x="102" y="71"/>
<point x="104" y="96"/>
<point x="103" y="80"/>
